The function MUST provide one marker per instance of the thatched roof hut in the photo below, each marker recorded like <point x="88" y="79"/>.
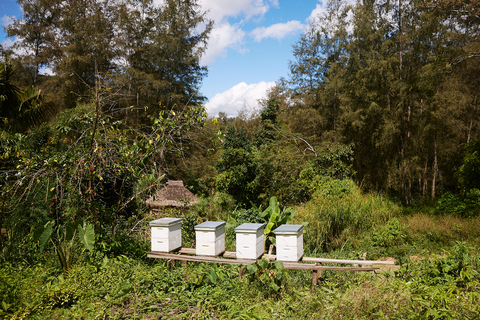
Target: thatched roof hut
<point x="173" y="195"/>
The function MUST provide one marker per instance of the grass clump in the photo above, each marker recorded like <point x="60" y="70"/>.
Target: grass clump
<point x="338" y="212"/>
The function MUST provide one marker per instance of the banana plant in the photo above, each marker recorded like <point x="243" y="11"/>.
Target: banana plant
<point x="273" y="218"/>
<point x="66" y="239"/>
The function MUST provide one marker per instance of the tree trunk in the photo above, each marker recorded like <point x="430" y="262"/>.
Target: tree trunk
<point x="425" y="180"/>
<point x="435" y="168"/>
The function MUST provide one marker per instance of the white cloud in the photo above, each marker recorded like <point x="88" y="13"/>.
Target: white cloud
<point x="319" y="10"/>
<point x="221" y="38"/>
<point x="320" y="16"/>
<point x="221" y="9"/>
<point x="225" y="35"/>
<point x="47" y="71"/>
<point x="5" y="20"/>
<point x="232" y="100"/>
<point x="277" y="31"/>
<point x="7" y="43"/>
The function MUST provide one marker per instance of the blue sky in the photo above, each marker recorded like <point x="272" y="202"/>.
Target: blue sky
<point x="248" y="50"/>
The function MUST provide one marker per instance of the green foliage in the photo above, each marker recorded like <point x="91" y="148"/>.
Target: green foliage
<point x="65" y="241"/>
<point x="217" y="206"/>
<point x="269" y="275"/>
<point x="86" y="235"/>
<point x="437" y="284"/>
<point x="338" y="212"/>
<point x="19" y="109"/>
<point x="268" y="131"/>
<point x="125" y="287"/>
<point x="190" y="220"/>
<point x="469" y="172"/>
<point x="273" y="218"/>
<point x="390" y="239"/>
<point x="467" y="205"/>
<point x="237" y="168"/>
<point x="329" y="173"/>
<point x="252" y="215"/>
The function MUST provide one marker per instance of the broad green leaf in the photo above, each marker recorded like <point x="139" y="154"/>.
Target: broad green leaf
<point x="252" y="268"/>
<point x="38" y="232"/>
<point x="5" y="305"/>
<point x="212" y="275"/>
<point x="87" y="235"/>
<point x="278" y="265"/>
<point x="262" y="263"/>
<point x="268" y="228"/>
<point x="45" y="236"/>
<point x="69" y="231"/>
<point x="125" y="289"/>
<point x="274" y="286"/>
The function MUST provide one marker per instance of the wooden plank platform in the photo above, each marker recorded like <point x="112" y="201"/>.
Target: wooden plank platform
<point x="362" y="262"/>
<point x="233" y="255"/>
<point x="229" y="257"/>
<point x="309" y="266"/>
<point x="225" y="254"/>
<point x="180" y="257"/>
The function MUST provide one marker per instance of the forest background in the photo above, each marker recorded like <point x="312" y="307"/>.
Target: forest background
<point x="373" y="138"/>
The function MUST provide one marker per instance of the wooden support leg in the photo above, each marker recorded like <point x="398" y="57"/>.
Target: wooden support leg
<point x="364" y="257"/>
<point x="184" y="262"/>
<point x="270" y="252"/>
<point x="319" y="272"/>
<point x="240" y="272"/>
<point x="315" y="275"/>
<point x="171" y="264"/>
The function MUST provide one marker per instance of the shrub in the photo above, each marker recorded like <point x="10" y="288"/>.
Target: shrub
<point x="338" y="212"/>
<point x="467" y="205"/>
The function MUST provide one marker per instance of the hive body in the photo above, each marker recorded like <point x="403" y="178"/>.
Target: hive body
<point x="210" y="238"/>
<point x="166" y="234"/>
<point x="289" y="238"/>
<point x="250" y="240"/>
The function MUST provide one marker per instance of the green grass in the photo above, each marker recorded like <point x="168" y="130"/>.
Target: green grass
<point x="124" y="288"/>
<point x="335" y="219"/>
<point x="438" y="276"/>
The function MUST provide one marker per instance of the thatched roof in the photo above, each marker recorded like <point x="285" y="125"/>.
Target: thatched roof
<point x="173" y="195"/>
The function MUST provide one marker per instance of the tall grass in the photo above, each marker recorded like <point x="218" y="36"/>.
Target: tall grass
<point x="439" y="232"/>
<point x="338" y="212"/>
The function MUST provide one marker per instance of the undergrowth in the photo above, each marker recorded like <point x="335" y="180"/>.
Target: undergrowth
<point x="444" y="287"/>
<point x="436" y="276"/>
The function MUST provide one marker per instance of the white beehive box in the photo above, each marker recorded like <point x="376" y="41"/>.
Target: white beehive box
<point x="210" y="238"/>
<point x="166" y="234"/>
<point x="289" y="238"/>
<point x="250" y="240"/>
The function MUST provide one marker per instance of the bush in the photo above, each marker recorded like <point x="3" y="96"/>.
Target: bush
<point x="339" y="212"/>
<point x="467" y="205"/>
<point x="390" y="239"/>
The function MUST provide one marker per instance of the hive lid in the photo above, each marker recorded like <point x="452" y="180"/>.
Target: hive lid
<point x="250" y="227"/>
<point x="289" y="229"/>
<point x="209" y="225"/>
<point x="165" y="222"/>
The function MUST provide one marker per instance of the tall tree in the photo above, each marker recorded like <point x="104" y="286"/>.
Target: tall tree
<point x="164" y="45"/>
<point x="35" y="33"/>
<point x="85" y="46"/>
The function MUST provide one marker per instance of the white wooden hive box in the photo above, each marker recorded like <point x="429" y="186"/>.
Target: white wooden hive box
<point x="289" y="238"/>
<point x="250" y="240"/>
<point x="210" y="238"/>
<point x="166" y="234"/>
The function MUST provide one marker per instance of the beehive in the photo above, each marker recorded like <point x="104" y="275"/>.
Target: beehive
<point x="289" y="238"/>
<point x="250" y="240"/>
<point x="210" y="238"/>
<point x="166" y="234"/>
